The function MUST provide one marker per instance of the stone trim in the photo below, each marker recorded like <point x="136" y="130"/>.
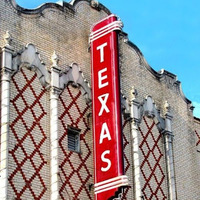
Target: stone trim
<point x="134" y="115"/>
<point x="125" y="106"/>
<point x="74" y="75"/>
<point x="29" y="57"/>
<point x="54" y="129"/>
<point x="168" y="140"/>
<point x="6" y="70"/>
<point x="147" y="108"/>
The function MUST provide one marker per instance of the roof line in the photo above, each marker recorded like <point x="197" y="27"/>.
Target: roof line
<point x="60" y="5"/>
<point x="160" y="75"/>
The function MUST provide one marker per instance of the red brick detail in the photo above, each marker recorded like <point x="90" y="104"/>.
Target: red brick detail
<point x="29" y="136"/>
<point x="198" y="138"/>
<point x="151" y="163"/>
<point x="72" y="188"/>
<point x="127" y="164"/>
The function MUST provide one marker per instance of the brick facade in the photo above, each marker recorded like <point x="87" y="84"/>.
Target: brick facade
<point x="41" y="98"/>
<point x="28" y="173"/>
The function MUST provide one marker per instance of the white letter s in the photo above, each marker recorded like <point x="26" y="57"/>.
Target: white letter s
<point x="106" y="160"/>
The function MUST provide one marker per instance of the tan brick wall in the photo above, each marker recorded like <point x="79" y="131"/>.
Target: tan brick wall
<point x="67" y="32"/>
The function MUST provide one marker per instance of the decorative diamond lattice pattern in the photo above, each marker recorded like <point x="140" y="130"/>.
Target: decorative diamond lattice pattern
<point x="198" y="138"/>
<point x="126" y="149"/>
<point x="152" y="161"/>
<point x="75" y="168"/>
<point x="28" y="137"/>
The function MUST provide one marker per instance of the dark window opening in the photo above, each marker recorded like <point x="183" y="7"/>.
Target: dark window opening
<point x="73" y="139"/>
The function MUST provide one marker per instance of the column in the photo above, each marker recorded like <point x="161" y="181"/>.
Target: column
<point x="54" y="95"/>
<point x="7" y="52"/>
<point x="168" y="139"/>
<point x="134" y="114"/>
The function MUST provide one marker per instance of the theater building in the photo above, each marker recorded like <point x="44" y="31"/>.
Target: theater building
<point x="48" y="148"/>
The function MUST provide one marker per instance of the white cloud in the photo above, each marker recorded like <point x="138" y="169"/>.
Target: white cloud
<point x="197" y="109"/>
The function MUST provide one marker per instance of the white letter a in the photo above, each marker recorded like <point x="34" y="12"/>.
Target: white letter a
<point x="104" y="128"/>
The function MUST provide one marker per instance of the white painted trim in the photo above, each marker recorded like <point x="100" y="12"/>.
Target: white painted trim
<point x="117" y="25"/>
<point x="168" y="138"/>
<point x="5" y="113"/>
<point x="110" y="188"/>
<point x="107" y="27"/>
<point x="54" y="130"/>
<point x="110" y="184"/>
<point x="110" y="180"/>
<point x="112" y="15"/>
<point x="134" y="114"/>
<point x="136" y="160"/>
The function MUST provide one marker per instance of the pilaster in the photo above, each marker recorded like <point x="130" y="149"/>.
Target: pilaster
<point x="54" y="95"/>
<point x="168" y="139"/>
<point x="7" y="53"/>
<point x="135" y="116"/>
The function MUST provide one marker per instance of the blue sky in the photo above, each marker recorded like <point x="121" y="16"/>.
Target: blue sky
<point x="166" y="31"/>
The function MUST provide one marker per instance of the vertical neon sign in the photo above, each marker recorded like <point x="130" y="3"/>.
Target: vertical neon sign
<point x="108" y="152"/>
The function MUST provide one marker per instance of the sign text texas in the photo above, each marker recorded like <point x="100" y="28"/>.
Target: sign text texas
<point x="108" y="155"/>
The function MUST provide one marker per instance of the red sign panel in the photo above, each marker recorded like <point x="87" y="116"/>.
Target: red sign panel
<point x="108" y="153"/>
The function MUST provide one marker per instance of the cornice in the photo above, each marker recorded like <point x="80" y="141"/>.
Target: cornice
<point x="93" y="3"/>
<point x="197" y="119"/>
<point x="60" y="5"/>
<point x="167" y="77"/>
<point x="38" y="11"/>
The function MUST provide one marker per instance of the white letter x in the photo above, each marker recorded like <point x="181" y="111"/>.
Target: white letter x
<point x="103" y="99"/>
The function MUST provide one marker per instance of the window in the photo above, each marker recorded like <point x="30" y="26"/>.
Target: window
<point x="73" y="139"/>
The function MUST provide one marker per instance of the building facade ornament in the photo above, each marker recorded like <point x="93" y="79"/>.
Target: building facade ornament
<point x="147" y="108"/>
<point x="54" y="129"/>
<point x="125" y="106"/>
<point x="94" y="4"/>
<point x="54" y="59"/>
<point x="30" y="58"/>
<point x="164" y="125"/>
<point x="74" y="75"/>
<point x="7" y="39"/>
